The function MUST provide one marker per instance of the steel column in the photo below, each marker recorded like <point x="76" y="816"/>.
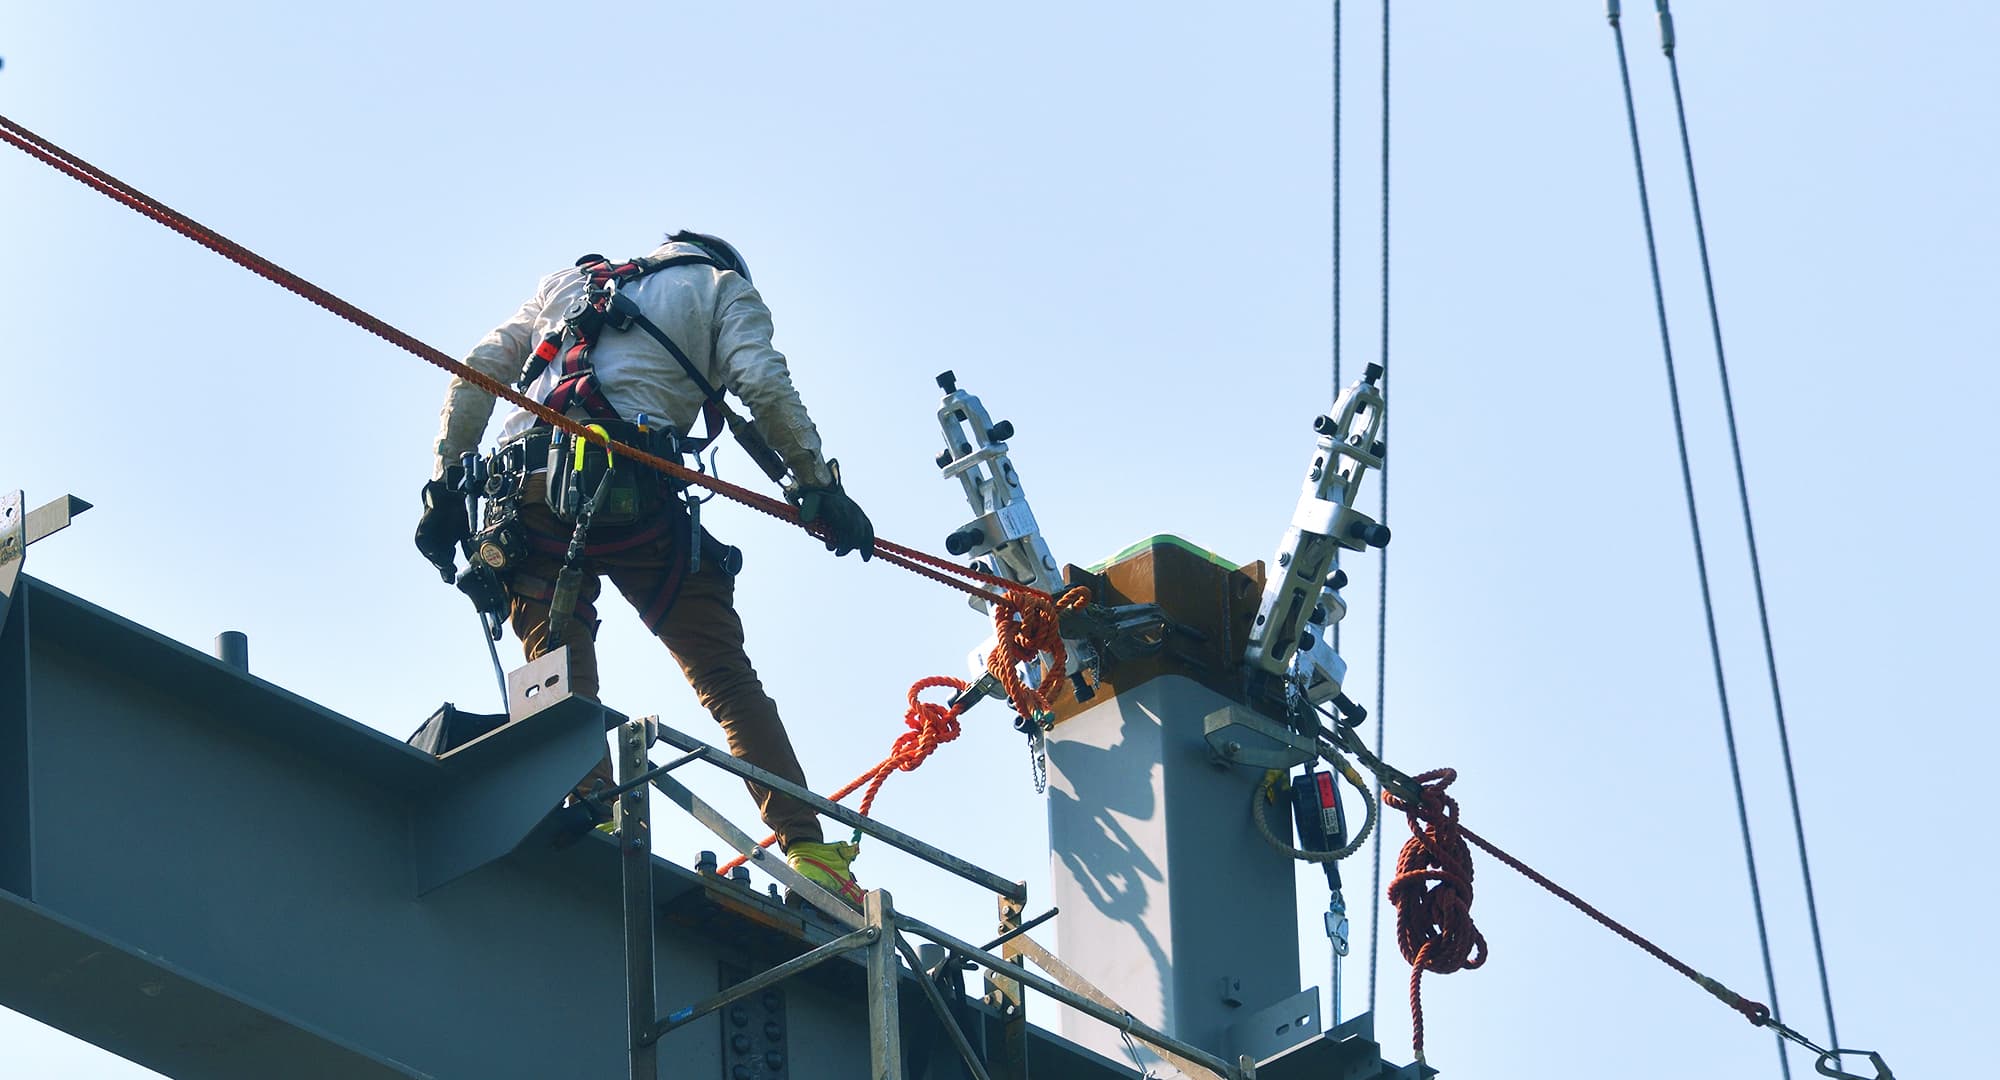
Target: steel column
<point x="633" y="816"/>
<point x="885" y="1025"/>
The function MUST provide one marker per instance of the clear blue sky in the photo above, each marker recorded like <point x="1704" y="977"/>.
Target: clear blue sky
<point x="1113" y="222"/>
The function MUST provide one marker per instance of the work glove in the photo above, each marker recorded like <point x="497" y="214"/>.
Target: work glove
<point x="443" y="526"/>
<point x="840" y="521"/>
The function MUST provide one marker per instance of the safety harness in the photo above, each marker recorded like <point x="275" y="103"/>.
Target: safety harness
<point x="584" y="485"/>
<point x="602" y="306"/>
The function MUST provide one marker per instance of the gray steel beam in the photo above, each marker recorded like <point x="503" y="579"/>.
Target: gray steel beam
<point x="633" y="816"/>
<point x="885" y="1014"/>
<point x="151" y="1011"/>
<point x="216" y="878"/>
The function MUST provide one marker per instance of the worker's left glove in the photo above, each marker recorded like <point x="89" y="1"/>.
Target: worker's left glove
<point x="840" y="521"/>
<point x="443" y="526"/>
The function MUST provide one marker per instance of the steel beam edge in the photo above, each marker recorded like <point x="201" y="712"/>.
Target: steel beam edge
<point x="147" y="1010"/>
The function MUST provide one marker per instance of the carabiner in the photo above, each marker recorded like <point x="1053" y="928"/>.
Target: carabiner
<point x="1824" y="1069"/>
<point x="610" y="460"/>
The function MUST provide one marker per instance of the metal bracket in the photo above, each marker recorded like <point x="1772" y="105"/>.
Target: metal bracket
<point x="1243" y="737"/>
<point x="538" y="684"/>
<point x="1276" y="1028"/>
<point x="18" y="529"/>
<point x="1829" y="1065"/>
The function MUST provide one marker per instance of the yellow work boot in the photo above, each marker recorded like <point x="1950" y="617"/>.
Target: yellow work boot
<point x="827" y="865"/>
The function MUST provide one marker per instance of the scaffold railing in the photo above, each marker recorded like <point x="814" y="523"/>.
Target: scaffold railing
<point x="877" y="928"/>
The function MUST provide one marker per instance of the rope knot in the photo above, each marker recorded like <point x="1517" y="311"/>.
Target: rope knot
<point x="1432" y="892"/>
<point x="1027" y="624"/>
<point x="931" y="725"/>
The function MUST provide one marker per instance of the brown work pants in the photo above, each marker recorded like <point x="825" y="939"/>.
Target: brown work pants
<point x="701" y="629"/>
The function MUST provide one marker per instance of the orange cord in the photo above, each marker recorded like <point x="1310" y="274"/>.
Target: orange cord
<point x="1028" y="624"/>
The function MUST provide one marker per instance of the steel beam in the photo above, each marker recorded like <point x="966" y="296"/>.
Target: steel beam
<point x="634" y="821"/>
<point x="885" y="1015"/>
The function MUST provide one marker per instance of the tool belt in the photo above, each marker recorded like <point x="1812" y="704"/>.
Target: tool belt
<point x="634" y="493"/>
<point x="638" y="505"/>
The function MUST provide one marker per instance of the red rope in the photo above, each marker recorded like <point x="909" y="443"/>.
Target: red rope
<point x="1432" y="892"/>
<point x="1754" y="1011"/>
<point x="917" y="562"/>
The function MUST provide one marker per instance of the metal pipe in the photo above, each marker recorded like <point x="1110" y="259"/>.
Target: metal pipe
<point x="232" y="647"/>
<point x="720" y="758"/>
<point x="645" y="778"/>
<point x="1125" y="1022"/>
<point x="721" y="826"/>
<point x="684" y="1016"/>
<point x="1019" y="930"/>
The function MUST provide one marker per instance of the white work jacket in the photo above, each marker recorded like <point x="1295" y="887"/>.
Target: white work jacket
<point x="715" y="316"/>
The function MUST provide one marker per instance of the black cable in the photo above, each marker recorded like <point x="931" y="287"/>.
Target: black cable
<point x="1382" y="592"/>
<point x="1749" y="530"/>
<point x="1694" y="526"/>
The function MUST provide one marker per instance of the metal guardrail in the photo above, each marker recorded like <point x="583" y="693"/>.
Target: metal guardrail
<point x="877" y="928"/>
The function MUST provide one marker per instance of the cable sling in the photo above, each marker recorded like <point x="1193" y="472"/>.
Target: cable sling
<point x="1667" y="45"/>
<point x="1694" y="528"/>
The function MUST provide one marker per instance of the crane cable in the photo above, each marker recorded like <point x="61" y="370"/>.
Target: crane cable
<point x="1694" y="526"/>
<point x="1667" y="44"/>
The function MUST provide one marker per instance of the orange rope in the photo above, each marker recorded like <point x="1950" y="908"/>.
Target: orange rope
<point x="1023" y="632"/>
<point x="1026" y="626"/>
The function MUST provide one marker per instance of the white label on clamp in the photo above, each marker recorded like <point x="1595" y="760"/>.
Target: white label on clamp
<point x="1316" y="516"/>
<point x="1015" y="520"/>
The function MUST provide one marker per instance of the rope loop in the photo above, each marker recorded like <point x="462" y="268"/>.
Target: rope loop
<point x="1027" y="624"/>
<point x="1432" y="892"/>
<point x="930" y="724"/>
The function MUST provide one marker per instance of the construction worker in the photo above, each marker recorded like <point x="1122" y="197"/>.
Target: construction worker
<point x="641" y="349"/>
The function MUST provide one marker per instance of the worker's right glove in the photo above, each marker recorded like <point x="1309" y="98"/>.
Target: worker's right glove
<point x="443" y="526"/>
<point x="840" y="521"/>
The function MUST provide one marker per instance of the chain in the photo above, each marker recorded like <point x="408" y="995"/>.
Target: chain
<point x="1038" y="759"/>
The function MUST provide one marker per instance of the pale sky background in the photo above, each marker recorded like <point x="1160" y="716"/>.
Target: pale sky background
<point x="1112" y="220"/>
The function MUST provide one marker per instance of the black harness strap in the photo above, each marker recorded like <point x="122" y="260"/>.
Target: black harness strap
<point x="602" y="306"/>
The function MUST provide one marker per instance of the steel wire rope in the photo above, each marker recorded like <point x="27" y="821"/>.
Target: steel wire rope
<point x="1667" y="45"/>
<point x="1694" y="528"/>
<point x="1334" y="638"/>
<point x="1382" y="554"/>
<point x="1011" y="595"/>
